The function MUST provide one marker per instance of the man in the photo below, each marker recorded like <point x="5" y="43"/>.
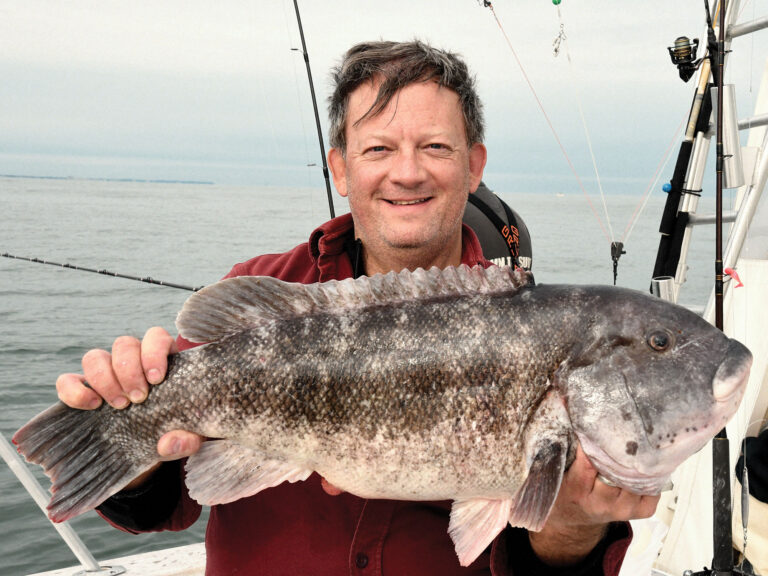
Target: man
<point x="406" y="136"/>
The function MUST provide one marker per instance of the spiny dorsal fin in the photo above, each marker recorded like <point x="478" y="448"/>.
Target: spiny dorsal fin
<point x="234" y="304"/>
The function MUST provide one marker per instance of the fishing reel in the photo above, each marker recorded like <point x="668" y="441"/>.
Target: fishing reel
<point x="683" y="55"/>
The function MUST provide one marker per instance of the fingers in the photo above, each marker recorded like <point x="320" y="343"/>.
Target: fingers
<point x="329" y="488"/>
<point x="155" y="348"/>
<point x="74" y="393"/>
<point x="121" y="377"/>
<point x="585" y="499"/>
<point x="97" y="368"/>
<point x="612" y="504"/>
<point x="172" y="445"/>
<point x="178" y="444"/>
<point x="131" y="385"/>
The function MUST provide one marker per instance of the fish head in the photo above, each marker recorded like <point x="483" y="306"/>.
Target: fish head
<point x="648" y="384"/>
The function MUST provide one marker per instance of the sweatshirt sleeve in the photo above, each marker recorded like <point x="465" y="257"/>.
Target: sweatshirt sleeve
<point x="162" y="503"/>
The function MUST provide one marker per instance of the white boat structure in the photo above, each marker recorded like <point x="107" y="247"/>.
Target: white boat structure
<point x="679" y="537"/>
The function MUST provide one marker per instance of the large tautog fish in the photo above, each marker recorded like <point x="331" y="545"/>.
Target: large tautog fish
<point x="469" y="385"/>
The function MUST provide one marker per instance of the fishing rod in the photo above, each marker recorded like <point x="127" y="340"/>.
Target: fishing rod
<point x="317" y="114"/>
<point x="145" y="279"/>
<point x="722" y="561"/>
<point x="674" y="229"/>
<point x="674" y="221"/>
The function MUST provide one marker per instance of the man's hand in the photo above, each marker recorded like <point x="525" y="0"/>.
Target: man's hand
<point x="584" y="507"/>
<point x="124" y="377"/>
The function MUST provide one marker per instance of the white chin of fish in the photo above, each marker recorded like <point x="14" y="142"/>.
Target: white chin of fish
<point x="612" y="473"/>
<point x="608" y="482"/>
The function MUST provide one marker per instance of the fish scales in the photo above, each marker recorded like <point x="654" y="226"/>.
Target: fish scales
<point x="465" y="384"/>
<point x="343" y="393"/>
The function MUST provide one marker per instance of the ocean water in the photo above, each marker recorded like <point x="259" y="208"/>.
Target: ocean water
<point x="192" y="234"/>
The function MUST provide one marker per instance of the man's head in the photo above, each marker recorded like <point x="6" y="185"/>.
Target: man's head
<point x="394" y="65"/>
<point x="407" y="150"/>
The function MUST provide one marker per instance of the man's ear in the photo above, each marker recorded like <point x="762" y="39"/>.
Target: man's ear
<point x="478" y="155"/>
<point x="338" y="166"/>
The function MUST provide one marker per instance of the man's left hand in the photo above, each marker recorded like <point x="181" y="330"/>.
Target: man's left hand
<point x="584" y="507"/>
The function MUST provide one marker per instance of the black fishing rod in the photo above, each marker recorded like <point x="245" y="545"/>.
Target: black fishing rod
<point x="145" y="279"/>
<point x="317" y="115"/>
<point x="722" y="562"/>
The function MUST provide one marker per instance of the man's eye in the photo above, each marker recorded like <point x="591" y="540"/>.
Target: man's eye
<point x="436" y="146"/>
<point x="376" y="149"/>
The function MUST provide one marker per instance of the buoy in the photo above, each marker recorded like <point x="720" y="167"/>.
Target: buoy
<point x="667" y="187"/>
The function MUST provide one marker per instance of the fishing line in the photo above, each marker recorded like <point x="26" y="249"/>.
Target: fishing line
<point x="305" y="53"/>
<point x="652" y="186"/>
<point x="145" y="279"/>
<point x="563" y="39"/>
<point x="487" y="4"/>
<point x="296" y="86"/>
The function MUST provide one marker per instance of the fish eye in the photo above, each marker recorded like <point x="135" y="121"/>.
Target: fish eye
<point x="660" y="340"/>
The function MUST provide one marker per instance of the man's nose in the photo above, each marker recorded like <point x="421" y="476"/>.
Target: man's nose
<point x="407" y="169"/>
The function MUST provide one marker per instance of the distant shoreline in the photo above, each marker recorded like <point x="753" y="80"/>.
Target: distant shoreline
<point x="137" y="180"/>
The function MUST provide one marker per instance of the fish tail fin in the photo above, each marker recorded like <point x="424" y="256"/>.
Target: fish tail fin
<point x="86" y="464"/>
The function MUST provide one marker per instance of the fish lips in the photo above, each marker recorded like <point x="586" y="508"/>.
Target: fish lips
<point x="731" y="377"/>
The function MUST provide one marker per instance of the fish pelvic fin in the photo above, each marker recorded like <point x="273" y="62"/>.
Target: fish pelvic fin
<point x="222" y="471"/>
<point x="86" y="464"/>
<point x="474" y="524"/>
<point x="234" y="304"/>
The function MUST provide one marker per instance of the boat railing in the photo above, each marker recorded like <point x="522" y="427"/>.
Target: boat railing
<point x="67" y="533"/>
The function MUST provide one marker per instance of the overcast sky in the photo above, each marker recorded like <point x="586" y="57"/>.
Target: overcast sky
<point x="192" y="89"/>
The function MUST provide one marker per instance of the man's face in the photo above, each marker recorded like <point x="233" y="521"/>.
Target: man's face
<point x="407" y="172"/>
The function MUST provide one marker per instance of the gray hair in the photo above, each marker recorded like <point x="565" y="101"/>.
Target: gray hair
<point x="399" y="64"/>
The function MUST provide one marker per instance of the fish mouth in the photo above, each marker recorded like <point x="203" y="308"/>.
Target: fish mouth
<point x="729" y="383"/>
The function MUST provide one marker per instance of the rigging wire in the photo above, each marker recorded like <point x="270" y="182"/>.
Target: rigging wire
<point x="633" y="220"/>
<point x="562" y="40"/>
<point x="296" y="87"/>
<point x="560" y="43"/>
<point x="488" y="5"/>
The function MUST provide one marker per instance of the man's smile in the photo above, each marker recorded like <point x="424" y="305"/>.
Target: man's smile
<point x="407" y="202"/>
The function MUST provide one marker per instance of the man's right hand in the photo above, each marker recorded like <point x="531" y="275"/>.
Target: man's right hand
<point x="124" y="377"/>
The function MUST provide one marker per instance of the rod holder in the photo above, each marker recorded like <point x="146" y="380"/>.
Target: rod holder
<point x="664" y="288"/>
<point x="733" y="168"/>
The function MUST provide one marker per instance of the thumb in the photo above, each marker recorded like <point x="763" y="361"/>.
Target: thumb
<point x="178" y="444"/>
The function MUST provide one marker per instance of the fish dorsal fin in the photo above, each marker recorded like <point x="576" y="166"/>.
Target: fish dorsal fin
<point x="234" y="304"/>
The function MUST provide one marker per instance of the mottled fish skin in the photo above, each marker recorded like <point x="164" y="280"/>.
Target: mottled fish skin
<point x="465" y="385"/>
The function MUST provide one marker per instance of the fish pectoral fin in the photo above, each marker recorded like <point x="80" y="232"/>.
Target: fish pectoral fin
<point x="474" y="524"/>
<point x="533" y="502"/>
<point x="222" y="471"/>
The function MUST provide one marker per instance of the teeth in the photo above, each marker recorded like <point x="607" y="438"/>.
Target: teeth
<point x="408" y="202"/>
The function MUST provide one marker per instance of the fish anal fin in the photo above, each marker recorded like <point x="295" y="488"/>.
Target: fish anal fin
<point x="222" y="471"/>
<point x="533" y="502"/>
<point x="474" y="524"/>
